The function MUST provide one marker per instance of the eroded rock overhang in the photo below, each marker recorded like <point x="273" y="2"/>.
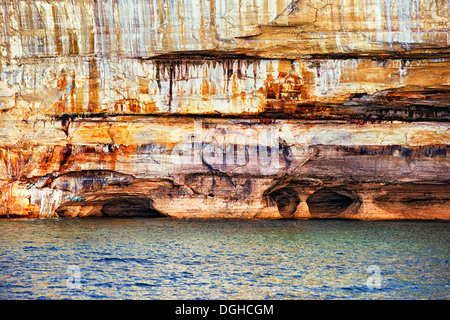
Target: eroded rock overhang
<point x="294" y="110"/>
<point x="209" y="167"/>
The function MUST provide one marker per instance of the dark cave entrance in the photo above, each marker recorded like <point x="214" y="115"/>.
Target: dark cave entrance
<point x="129" y="207"/>
<point x="287" y="201"/>
<point x="329" y="202"/>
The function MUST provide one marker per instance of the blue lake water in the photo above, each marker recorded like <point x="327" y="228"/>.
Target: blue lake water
<point x="138" y="258"/>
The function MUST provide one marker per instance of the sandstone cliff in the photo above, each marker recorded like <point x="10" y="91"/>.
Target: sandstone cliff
<point x="225" y="108"/>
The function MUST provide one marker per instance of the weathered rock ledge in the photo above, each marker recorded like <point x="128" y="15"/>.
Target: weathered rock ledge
<point x="225" y="109"/>
<point x="240" y="168"/>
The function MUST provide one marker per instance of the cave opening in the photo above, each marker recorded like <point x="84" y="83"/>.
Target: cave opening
<point x="287" y="201"/>
<point x="129" y="207"/>
<point x="328" y="201"/>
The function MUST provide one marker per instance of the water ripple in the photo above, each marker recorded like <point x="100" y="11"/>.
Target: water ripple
<point x="222" y="259"/>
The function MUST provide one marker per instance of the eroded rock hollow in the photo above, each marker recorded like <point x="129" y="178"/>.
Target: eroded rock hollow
<point x="228" y="109"/>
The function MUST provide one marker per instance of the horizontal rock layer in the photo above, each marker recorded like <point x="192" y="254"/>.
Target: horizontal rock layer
<point x="239" y="109"/>
<point x="371" y="89"/>
<point x="186" y="167"/>
<point x="147" y="28"/>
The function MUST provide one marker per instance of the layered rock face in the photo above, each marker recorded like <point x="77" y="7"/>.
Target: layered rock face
<point x="237" y="109"/>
